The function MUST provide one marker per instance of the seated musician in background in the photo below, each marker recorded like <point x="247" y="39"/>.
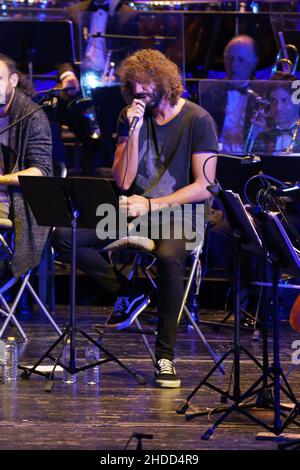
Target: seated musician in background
<point x="25" y="150"/>
<point x="281" y="136"/>
<point x="232" y="109"/>
<point x="95" y="152"/>
<point x="240" y="61"/>
<point x="232" y="112"/>
<point x="172" y="136"/>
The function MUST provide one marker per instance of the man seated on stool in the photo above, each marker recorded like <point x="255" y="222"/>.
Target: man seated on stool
<point x="25" y="149"/>
<point x="172" y="136"/>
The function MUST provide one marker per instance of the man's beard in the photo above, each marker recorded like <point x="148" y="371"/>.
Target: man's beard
<point x="155" y="100"/>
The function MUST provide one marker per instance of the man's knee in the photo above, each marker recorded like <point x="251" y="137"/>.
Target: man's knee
<point x="61" y="240"/>
<point x="171" y="253"/>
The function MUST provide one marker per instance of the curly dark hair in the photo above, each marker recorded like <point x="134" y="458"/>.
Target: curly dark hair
<point x="23" y="84"/>
<point x="148" y="65"/>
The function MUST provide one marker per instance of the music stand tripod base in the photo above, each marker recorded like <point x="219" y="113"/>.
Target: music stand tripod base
<point x="74" y="202"/>
<point x="244" y="232"/>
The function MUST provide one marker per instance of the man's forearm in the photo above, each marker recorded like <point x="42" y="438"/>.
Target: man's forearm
<point x="12" y="179"/>
<point x="126" y="162"/>
<point x="194" y="192"/>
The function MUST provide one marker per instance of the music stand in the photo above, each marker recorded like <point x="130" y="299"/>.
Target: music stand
<point x="29" y="39"/>
<point x="108" y="102"/>
<point x="69" y="202"/>
<point x="247" y="238"/>
<point x="282" y="255"/>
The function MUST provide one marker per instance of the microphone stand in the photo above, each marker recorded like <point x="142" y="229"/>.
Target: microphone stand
<point x="245" y="160"/>
<point x="130" y="36"/>
<point x="249" y="158"/>
<point x="52" y="101"/>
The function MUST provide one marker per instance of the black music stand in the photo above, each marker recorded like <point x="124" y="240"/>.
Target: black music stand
<point x="69" y="202"/>
<point x="245" y="238"/>
<point x="108" y="102"/>
<point x="283" y="256"/>
<point x="28" y="42"/>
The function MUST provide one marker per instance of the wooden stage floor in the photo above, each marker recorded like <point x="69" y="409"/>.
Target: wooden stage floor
<point x="80" y="416"/>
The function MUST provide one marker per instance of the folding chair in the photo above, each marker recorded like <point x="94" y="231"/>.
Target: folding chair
<point x="6" y="231"/>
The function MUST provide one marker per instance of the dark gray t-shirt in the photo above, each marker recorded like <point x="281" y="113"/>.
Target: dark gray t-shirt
<point x="165" y="150"/>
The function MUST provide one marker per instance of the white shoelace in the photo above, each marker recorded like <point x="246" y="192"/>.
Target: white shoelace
<point x="166" y="366"/>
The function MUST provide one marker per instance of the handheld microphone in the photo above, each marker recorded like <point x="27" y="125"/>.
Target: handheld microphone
<point x="132" y="125"/>
<point x="259" y="99"/>
<point x="135" y="120"/>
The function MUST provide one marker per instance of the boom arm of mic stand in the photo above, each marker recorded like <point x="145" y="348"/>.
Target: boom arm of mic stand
<point x="129" y="36"/>
<point x="49" y="102"/>
<point x="246" y="159"/>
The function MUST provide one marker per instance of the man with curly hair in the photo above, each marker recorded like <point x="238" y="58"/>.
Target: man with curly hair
<point x="170" y="140"/>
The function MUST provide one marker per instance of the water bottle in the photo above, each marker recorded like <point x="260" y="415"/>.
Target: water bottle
<point x="92" y="375"/>
<point x="10" y="372"/>
<point x="67" y="377"/>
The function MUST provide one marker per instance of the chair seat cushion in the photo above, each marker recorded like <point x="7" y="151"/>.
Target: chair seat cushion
<point x="134" y="242"/>
<point x="6" y="224"/>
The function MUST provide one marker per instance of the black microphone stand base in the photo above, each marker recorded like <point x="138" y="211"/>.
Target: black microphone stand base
<point x="239" y="400"/>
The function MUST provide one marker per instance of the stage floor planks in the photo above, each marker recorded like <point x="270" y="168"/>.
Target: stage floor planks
<point x="80" y="416"/>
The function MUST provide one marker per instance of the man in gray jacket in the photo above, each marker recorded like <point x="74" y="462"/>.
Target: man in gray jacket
<point x="25" y="149"/>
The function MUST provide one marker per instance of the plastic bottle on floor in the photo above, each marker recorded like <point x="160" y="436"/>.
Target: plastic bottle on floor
<point x="67" y="377"/>
<point x="10" y="363"/>
<point x="92" y="375"/>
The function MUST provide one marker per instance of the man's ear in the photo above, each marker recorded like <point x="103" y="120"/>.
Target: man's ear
<point x="14" y="80"/>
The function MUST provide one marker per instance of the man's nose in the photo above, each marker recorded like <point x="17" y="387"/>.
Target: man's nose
<point x="280" y="106"/>
<point x="138" y="89"/>
<point x="235" y="61"/>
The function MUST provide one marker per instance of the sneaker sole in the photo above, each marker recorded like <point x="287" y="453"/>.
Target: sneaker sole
<point x="168" y="383"/>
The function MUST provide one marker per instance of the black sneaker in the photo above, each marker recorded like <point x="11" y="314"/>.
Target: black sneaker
<point x="165" y="374"/>
<point x="126" y="309"/>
